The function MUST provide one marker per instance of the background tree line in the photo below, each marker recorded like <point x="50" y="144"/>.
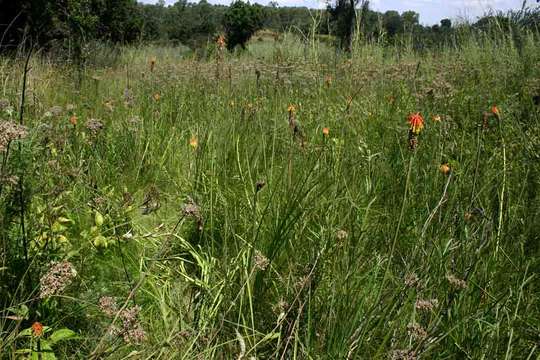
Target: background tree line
<point x="72" y="22"/>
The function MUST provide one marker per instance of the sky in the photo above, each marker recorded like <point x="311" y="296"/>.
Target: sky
<point x="431" y="11"/>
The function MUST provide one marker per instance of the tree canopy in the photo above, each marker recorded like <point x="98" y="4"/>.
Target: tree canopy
<point x="123" y="21"/>
<point x="241" y="20"/>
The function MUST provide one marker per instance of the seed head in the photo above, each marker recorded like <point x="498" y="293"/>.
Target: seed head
<point x="411" y="280"/>
<point x="416" y="331"/>
<point x="129" y="100"/>
<point x="426" y="305"/>
<point x="261" y="261"/>
<point x="328" y="80"/>
<point x="191" y="209"/>
<point x="403" y="355"/>
<point x="456" y="283"/>
<point x="4" y="104"/>
<point x="342" y="235"/>
<point x="413" y="140"/>
<point x="94" y="126"/>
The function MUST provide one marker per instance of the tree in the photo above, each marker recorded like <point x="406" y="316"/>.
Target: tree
<point x="46" y="21"/>
<point x="393" y="23"/>
<point x="241" y="21"/>
<point x="410" y="20"/>
<point x="446" y="23"/>
<point x="119" y="20"/>
<point x="343" y="16"/>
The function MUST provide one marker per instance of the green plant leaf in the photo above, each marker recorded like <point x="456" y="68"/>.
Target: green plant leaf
<point x="58" y="227"/>
<point x="46" y="352"/>
<point x="62" y="335"/>
<point x="98" y="218"/>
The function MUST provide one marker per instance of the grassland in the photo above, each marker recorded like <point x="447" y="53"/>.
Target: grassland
<point x="269" y="205"/>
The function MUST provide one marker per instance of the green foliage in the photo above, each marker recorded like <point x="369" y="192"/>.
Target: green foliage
<point x="241" y="20"/>
<point x="212" y="219"/>
<point x="193" y="24"/>
<point x="47" y="22"/>
<point x="393" y="23"/>
<point x="41" y="347"/>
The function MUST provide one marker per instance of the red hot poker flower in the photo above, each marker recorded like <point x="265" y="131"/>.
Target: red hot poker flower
<point x="37" y="329"/>
<point x="416" y="121"/>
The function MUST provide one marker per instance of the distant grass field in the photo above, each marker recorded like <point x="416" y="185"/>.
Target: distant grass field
<point x="274" y="205"/>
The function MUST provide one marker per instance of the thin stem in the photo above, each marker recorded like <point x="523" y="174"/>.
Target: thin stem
<point x="21" y="178"/>
<point x="398" y="226"/>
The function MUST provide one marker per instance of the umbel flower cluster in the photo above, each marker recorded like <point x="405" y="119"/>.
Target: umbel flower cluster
<point x="131" y="330"/>
<point x="56" y="279"/>
<point x="10" y="131"/>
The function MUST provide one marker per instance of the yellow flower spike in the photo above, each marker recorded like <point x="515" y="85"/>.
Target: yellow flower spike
<point x="291" y="109"/>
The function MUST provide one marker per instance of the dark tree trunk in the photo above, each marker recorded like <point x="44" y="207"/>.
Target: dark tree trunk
<point x="352" y="22"/>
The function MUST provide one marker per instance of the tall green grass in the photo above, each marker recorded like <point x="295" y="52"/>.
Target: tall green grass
<point x="312" y="264"/>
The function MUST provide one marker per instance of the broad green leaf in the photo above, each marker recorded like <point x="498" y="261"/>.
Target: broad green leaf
<point x="62" y="335"/>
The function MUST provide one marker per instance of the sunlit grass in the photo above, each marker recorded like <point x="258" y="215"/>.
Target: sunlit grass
<point x="341" y="243"/>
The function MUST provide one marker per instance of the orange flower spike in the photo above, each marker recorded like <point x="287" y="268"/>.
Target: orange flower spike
<point x="152" y="64"/>
<point x="325" y="131"/>
<point x="445" y="169"/>
<point x="37" y="329"/>
<point x="416" y="121"/>
<point x="73" y="120"/>
<point x="193" y="142"/>
<point x="495" y="111"/>
<point x="157" y="96"/>
<point x="220" y="42"/>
